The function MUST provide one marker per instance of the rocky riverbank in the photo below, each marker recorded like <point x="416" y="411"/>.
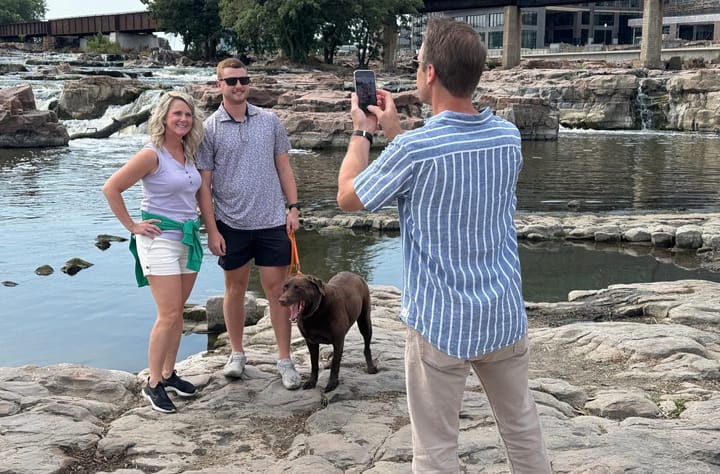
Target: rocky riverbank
<point x="626" y="379"/>
<point x="313" y="102"/>
<point x="690" y="240"/>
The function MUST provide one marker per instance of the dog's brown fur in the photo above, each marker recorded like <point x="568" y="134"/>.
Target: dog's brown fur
<point x="325" y="313"/>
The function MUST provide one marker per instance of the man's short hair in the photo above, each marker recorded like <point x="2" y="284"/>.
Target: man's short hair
<point x="233" y="63"/>
<point x="456" y="53"/>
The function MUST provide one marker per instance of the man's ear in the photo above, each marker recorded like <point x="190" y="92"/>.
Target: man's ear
<point x="430" y="76"/>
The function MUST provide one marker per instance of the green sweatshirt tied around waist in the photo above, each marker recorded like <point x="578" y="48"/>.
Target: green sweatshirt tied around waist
<point x="191" y="238"/>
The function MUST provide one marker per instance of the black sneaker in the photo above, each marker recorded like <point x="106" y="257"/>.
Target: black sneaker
<point x="158" y="398"/>
<point x="179" y="386"/>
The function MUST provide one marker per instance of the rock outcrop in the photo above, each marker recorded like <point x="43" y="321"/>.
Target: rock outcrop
<point x="23" y="126"/>
<point x="636" y="390"/>
<point x="615" y="98"/>
<point x="88" y="98"/>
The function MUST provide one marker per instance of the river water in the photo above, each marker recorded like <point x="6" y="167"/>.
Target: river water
<point x="52" y="210"/>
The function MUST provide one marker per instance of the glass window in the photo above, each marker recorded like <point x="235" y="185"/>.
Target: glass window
<point x="477" y="21"/>
<point x="585" y="18"/>
<point x="604" y="19"/>
<point x="495" y="39"/>
<point x="496" y="19"/>
<point x="528" y="39"/>
<point x="529" y="18"/>
<point x="704" y="32"/>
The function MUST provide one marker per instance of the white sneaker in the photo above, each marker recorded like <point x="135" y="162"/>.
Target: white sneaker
<point x="290" y="378"/>
<point x="235" y="366"/>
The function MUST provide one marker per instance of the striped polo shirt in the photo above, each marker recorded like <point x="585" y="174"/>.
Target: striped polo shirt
<point x="454" y="181"/>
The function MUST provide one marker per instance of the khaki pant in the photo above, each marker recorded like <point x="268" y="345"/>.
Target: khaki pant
<point x="435" y="384"/>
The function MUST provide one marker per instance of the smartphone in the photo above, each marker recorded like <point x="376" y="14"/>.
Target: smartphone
<point x="365" y="88"/>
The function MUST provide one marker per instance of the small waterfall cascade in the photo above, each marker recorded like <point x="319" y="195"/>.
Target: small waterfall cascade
<point x="147" y="99"/>
<point x="643" y="103"/>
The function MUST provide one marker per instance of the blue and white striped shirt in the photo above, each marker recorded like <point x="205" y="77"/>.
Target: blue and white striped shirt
<point x="454" y="180"/>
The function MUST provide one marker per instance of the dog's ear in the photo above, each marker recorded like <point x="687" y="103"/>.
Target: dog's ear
<point x="318" y="284"/>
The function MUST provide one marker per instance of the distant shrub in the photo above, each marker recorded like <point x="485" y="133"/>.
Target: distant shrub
<point x="101" y="44"/>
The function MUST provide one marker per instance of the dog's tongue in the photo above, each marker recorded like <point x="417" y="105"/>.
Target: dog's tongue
<point x="295" y="311"/>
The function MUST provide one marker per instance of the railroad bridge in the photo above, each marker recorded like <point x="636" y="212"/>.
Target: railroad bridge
<point x="144" y="23"/>
<point x="123" y="25"/>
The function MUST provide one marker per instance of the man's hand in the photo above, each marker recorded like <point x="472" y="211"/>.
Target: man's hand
<point x="216" y="244"/>
<point x="361" y="120"/>
<point x="386" y="114"/>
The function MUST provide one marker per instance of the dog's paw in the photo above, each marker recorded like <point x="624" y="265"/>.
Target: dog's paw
<point x="332" y="385"/>
<point x="309" y="384"/>
<point x="372" y="370"/>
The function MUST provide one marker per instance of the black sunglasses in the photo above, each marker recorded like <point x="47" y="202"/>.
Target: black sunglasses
<point x="231" y="81"/>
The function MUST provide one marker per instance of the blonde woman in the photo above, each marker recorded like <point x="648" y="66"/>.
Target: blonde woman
<point x="166" y="241"/>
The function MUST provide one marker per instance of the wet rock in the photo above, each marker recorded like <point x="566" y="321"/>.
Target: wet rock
<point x="88" y="98"/>
<point x="74" y="265"/>
<point x="9" y="283"/>
<point x="23" y="126"/>
<point x="103" y="241"/>
<point x="44" y="270"/>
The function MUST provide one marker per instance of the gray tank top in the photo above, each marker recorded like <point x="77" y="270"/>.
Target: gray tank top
<point x="170" y="191"/>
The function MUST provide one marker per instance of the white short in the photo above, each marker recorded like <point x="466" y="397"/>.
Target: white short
<point x="162" y="256"/>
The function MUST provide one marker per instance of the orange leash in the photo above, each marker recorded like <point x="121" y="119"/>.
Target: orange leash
<point x="294" y="257"/>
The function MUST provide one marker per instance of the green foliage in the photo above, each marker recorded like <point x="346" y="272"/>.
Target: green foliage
<point x="373" y="16"/>
<point x="101" y="44"/>
<point x="196" y="21"/>
<point x="679" y="408"/>
<point x="267" y="25"/>
<point x="299" y="27"/>
<point x="20" y="11"/>
<point x="247" y="20"/>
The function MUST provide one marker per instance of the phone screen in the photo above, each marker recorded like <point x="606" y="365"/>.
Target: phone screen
<point x="365" y="88"/>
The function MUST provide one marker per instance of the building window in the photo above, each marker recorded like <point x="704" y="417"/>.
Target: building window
<point x="529" y="18"/>
<point x="585" y="18"/>
<point x="528" y="39"/>
<point x="704" y="32"/>
<point x="477" y="21"/>
<point x="604" y="19"/>
<point x="495" y="40"/>
<point x="496" y="19"/>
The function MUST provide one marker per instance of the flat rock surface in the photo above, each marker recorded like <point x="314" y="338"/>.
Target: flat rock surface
<point x="632" y="387"/>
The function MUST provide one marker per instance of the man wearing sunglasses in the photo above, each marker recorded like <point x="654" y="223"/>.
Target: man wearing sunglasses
<point x="248" y="199"/>
<point x="454" y="183"/>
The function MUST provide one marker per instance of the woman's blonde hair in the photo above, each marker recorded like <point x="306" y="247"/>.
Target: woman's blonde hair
<point x="156" y="125"/>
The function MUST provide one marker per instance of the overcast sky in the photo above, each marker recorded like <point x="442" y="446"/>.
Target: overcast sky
<point x="70" y="8"/>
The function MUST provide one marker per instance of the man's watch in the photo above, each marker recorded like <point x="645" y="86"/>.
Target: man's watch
<point x="295" y="205"/>
<point x="363" y="133"/>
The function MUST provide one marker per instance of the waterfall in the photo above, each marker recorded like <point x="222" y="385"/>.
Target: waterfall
<point x="147" y="99"/>
<point x="643" y="103"/>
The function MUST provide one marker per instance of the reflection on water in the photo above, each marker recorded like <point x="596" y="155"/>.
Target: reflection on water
<point x="52" y="210"/>
<point x="621" y="171"/>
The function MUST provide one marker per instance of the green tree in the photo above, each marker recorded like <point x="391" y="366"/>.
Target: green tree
<point x="337" y="18"/>
<point x="376" y="28"/>
<point x="299" y="27"/>
<point x="20" y="11"/>
<point x="196" y="21"/>
<point x="288" y="25"/>
<point x="248" y="19"/>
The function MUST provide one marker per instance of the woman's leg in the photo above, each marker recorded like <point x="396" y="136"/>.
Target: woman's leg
<point x="170" y="293"/>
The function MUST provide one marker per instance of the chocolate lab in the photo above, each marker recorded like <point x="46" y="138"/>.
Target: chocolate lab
<point x="324" y="314"/>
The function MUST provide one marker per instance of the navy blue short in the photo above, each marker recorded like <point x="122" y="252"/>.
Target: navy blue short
<point x="269" y="247"/>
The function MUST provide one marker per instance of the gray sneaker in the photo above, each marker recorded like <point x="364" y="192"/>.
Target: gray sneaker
<point x="290" y="378"/>
<point x="235" y="366"/>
